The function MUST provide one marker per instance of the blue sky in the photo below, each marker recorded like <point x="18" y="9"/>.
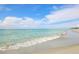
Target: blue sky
<point x="13" y="16"/>
<point x="36" y="11"/>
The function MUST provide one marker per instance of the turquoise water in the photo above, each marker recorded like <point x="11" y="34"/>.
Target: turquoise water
<point x="20" y="35"/>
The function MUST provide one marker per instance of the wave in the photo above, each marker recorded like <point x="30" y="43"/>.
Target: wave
<point x="29" y="43"/>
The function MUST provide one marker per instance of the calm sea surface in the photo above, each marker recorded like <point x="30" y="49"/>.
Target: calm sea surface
<point x="20" y="35"/>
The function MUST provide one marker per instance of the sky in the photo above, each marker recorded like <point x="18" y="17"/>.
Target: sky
<point x="38" y="16"/>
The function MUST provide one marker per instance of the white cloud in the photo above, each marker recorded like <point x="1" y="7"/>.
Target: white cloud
<point x="29" y="21"/>
<point x="11" y="21"/>
<point x="58" y="16"/>
<point x="64" y="14"/>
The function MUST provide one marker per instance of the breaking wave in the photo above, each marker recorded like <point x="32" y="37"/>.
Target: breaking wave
<point x="29" y="43"/>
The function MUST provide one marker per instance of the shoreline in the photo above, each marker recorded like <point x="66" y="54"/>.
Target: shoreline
<point x="62" y="45"/>
<point x="29" y="43"/>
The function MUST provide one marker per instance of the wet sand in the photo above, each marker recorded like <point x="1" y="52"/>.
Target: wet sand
<point x="68" y="44"/>
<point x="73" y="49"/>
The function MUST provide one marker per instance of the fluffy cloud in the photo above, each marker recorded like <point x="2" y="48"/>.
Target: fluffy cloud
<point x="64" y="14"/>
<point x="11" y="21"/>
<point x="59" y="16"/>
<point x="29" y="21"/>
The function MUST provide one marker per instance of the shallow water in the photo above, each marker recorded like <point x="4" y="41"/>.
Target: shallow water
<point x="12" y="36"/>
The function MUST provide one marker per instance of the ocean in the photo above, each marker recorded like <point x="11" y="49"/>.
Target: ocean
<point x="14" y="36"/>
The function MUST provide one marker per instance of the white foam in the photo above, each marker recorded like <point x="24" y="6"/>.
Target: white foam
<point x="29" y="43"/>
<point x="13" y="47"/>
<point x="2" y="49"/>
<point x="34" y="42"/>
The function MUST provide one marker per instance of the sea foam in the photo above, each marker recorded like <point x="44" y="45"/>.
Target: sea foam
<point x="29" y="43"/>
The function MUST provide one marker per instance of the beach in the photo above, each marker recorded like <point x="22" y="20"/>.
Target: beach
<point x="74" y="49"/>
<point x="67" y="44"/>
<point x="76" y="30"/>
<point x="39" y="29"/>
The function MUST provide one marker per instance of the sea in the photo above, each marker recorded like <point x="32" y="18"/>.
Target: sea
<point x="14" y="36"/>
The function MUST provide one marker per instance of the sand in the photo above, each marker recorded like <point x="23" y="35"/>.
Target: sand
<point x="74" y="49"/>
<point x="62" y="50"/>
<point x="76" y="30"/>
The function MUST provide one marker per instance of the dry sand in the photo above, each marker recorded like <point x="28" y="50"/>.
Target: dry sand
<point x="74" y="49"/>
<point x="76" y="30"/>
